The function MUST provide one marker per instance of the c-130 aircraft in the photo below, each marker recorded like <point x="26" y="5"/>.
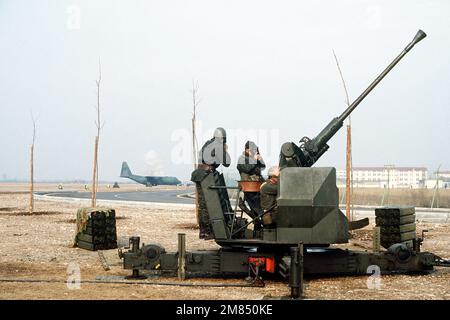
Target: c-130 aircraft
<point x="148" y="181"/>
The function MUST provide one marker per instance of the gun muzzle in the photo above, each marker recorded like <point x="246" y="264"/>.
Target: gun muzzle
<point x="419" y="36"/>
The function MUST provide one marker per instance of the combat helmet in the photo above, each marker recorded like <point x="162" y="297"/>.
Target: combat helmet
<point x="220" y="133"/>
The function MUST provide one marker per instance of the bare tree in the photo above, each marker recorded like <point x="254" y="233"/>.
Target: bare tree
<point x="99" y="126"/>
<point x="31" y="207"/>
<point x="349" y="165"/>
<point x="195" y="102"/>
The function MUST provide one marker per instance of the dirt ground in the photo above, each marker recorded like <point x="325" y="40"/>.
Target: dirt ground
<point x="40" y="247"/>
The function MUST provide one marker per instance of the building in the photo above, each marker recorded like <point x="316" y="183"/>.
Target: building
<point x="388" y="175"/>
<point x="444" y="175"/>
<point x="440" y="183"/>
<point x="440" y="179"/>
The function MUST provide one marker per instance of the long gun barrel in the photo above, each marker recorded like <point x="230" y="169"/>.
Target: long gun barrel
<point x="311" y="150"/>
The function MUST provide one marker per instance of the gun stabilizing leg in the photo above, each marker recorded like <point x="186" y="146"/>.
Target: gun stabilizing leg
<point x="296" y="272"/>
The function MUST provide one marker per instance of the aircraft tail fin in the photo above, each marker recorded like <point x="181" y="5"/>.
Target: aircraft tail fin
<point x="126" y="172"/>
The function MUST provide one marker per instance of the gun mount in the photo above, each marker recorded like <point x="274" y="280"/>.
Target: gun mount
<point x="310" y="150"/>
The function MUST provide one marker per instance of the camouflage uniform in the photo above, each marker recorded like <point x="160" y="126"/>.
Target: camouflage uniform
<point x="212" y="155"/>
<point x="269" y="194"/>
<point x="250" y="170"/>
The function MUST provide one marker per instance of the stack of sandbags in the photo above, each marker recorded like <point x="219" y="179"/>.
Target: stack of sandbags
<point x="96" y="229"/>
<point x="397" y="225"/>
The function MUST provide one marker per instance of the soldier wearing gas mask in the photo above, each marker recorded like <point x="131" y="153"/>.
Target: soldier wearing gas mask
<point x="213" y="154"/>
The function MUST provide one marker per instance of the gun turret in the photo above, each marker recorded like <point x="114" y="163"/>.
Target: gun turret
<point x="310" y="150"/>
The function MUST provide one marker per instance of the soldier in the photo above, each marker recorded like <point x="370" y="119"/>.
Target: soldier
<point x="250" y="164"/>
<point x="269" y="194"/>
<point x="214" y="152"/>
<point x="212" y="155"/>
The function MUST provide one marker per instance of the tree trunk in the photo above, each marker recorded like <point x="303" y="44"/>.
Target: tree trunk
<point x="31" y="208"/>
<point x="194" y="160"/>
<point x="95" y="175"/>
<point x="348" y="169"/>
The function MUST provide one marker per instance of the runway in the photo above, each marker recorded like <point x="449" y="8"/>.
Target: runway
<point x="157" y="196"/>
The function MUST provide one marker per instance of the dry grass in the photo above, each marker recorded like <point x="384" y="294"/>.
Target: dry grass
<point x="411" y="197"/>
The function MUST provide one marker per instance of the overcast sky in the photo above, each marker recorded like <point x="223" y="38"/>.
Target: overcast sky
<point x="265" y="70"/>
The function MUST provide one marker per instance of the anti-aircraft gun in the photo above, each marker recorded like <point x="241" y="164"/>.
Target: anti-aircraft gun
<point x="308" y="217"/>
<point x="308" y="200"/>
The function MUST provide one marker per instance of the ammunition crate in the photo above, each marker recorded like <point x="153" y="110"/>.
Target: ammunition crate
<point x="398" y="228"/>
<point x="394" y="212"/>
<point x="395" y="220"/>
<point x="91" y="246"/>
<point x="390" y="239"/>
<point x="96" y="229"/>
<point x="397" y="225"/>
<point x="100" y="231"/>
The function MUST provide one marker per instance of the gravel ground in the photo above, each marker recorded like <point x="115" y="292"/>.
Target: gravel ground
<point x="40" y="247"/>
